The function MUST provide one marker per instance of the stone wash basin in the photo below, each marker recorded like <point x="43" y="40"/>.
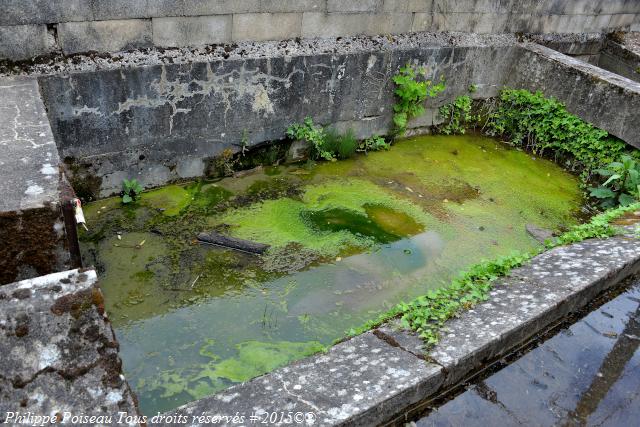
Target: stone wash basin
<point x="347" y="239"/>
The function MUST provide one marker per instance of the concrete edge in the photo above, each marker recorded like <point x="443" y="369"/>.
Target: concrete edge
<point x="372" y="378"/>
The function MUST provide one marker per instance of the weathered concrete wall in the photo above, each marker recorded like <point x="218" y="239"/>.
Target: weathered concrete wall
<point x="605" y="99"/>
<point x="74" y="26"/>
<point x="32" y="233"/>
<point x="162" y="122"/>
<point x="618" y="59"/>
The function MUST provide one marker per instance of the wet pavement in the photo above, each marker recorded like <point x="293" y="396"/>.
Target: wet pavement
<point x="588" y="374"/>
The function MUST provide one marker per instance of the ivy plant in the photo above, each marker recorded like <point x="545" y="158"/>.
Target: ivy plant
<point x="543" y="125"/>
<point x="313" y="134"/>
<point x="412" y="89"/>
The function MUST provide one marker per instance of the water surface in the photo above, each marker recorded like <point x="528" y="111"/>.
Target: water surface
<point x="349" y="239"/>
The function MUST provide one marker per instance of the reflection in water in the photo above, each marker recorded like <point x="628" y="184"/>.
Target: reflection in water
<point x="587" y="375"/>
<point x="348" y="239"/>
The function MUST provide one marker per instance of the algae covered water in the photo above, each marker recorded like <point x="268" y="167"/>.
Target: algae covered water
<point x="348" y="240"/>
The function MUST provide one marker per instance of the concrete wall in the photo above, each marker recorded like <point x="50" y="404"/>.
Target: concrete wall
<point x="164" y="122"/>
<point x="33" y="238"/>
<point x="167" y="121"/>
<point x="621" y="60"/>
<point x="73" y="26"/>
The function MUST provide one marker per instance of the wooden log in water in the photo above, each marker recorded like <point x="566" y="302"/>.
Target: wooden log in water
<point x="215" y="238"/>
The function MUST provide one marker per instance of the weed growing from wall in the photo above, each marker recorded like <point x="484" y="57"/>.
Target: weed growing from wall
<point x="412" y="89"/>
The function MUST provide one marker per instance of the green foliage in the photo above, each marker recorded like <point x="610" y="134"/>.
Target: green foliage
<point x="457" y="115"/>
<point x="131" y="189"/>
<point x="314" y="134"/>
<point x="411" y="91"/>
<point x="327" y="144"/>
<point x="427" y="314"/>
<point x="374" y="143"/>
<point x="544" y="125"/>
<point x="340" y="146"/>
<point x="622" y="185"/>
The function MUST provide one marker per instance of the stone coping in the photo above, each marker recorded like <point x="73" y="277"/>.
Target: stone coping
<point x="29" y="173"/>
<point x="374" y="377"/>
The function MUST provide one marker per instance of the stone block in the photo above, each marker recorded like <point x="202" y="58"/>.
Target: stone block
<point x="105" y="36"/>
<point x="276" y="6"/>
<point x="25" y="41"/>
<point x="342" y="6"/>
<point x="220" y="7"/>
<point x="191" y="31"/>
<point x="266" y="26"/>
<point x="620" y="22"/>
<point x="347" y="24"/>
<point x="32" y="229"/>
<point x="120" y="9"/>
<point x="59" y="353"/>
<point x="20" y="12"/>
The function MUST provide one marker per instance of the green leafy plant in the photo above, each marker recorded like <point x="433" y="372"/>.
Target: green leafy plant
<point x="622" y="185"/>
<point x="374" y="143"/>
<point x="412" y="89"/>
<point x="313" y="134"/>
<point x="131" y="189"/>
<point x="457" y="115"/>
<point x="543" y="125"/>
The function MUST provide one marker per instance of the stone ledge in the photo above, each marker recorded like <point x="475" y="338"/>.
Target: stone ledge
<point x="32" y="229"/>
<point x="369" y="379"/>
<point x="59" y="353"/>
<point x="607" y="100"/>
<point x="360" y="382"/>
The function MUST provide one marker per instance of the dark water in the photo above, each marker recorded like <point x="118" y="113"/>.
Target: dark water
<point x="587" y="375"/>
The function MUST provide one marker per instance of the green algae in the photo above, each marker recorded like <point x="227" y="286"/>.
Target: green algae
<point x="350" y="239"/>
<point x="253" y="358"/>
<point x="282" y="221"/>
<point x="171" y="200"/>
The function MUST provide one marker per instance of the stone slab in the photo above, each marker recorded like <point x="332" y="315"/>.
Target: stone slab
<point x="536" y="295"/>
<point x="28" y="155"/>
<point x="607" y="100"/>
<point x="361" y="381"/>
<point x="59" y="354"/>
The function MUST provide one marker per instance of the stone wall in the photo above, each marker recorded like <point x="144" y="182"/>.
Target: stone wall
<point x="164" y="122"/>
<point x="30" y="28"/>
<point x="167" y="120"/>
